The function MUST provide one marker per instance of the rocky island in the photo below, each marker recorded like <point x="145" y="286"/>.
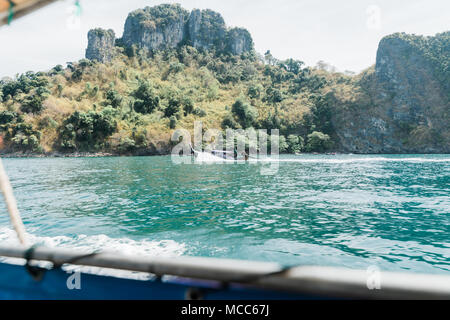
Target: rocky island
<point x="172" y="67"/>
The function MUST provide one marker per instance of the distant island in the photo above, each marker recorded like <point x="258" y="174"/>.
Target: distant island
<point x="172" y="67"/>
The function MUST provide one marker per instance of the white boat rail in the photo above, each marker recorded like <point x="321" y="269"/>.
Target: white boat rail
<point x="310" y="280"/>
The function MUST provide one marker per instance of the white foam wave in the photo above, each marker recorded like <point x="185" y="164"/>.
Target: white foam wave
<point x="352" y="160"/>
<point x="205" y="157"/>
<point x="208" y="157"/>
<point x="103" y="243"/>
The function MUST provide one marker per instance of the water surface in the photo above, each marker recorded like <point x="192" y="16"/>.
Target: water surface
<point x="346" y="210"/>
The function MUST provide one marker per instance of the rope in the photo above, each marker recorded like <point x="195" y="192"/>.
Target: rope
<point x="16" y="220"/>
<point x="10" y="11"/>
<point x="37" y="273"/>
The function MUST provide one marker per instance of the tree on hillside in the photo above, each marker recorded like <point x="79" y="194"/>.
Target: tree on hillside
<point x="7" y="117"/>
<point x="283" y="145"/>
<point x="88" y="130"/>
<point x="22" y="136"/>
<point x="295" y="143"/>
<point x="319" y="118"/>
<point x="188" y="106"/>
<point x="24" y="83"/>
<point x="146" y="101"/>
<point x="244" y="113"/>
<point x="173" y="107"/>
<point x="273" y="96"/>
<point x="292" y="65"/>
<point x="32" y="104"/>
<point x="318" y="142"/>
<point x="113" y="98"/>
<point x="254" y="91"/>
<point x="269" y="58"/>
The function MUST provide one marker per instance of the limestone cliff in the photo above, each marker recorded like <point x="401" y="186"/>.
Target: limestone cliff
<point x="155" y="28"/>
<point x="402" y="105"/>
<point x="206" y="29"/>
<point x="239" y="41"/>
<point x="100" y="45"/>
<point x="407" y="107"/>
<point x="169" y="25"/>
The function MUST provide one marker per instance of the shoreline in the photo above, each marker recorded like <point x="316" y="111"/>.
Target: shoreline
<point x="14" y="155"/>
<point x="18" y="155"/>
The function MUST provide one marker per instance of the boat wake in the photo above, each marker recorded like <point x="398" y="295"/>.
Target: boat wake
<point x="368" y="159"/>
<point x="84" y="243"/>
<point x="209" y="158"/>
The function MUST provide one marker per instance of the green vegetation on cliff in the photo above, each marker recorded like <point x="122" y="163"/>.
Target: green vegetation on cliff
<point x="132" y="103"/>
<point x="436" y="51"/>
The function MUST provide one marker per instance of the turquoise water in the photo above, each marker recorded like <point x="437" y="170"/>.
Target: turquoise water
<point x="346" y="210"/>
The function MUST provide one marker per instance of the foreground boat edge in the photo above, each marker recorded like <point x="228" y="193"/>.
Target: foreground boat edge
<point x="195" y="274"/>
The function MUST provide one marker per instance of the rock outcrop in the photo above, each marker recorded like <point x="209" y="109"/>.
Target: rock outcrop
<point x="169" y="25"/>
<point x="100" y="45"/>
<point x="206" y="30"/>
<point x="409" y="94"/>
<point x="239" y="41"/>
<point x="156" y="28"/>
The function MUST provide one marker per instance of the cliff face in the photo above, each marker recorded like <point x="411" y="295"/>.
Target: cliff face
<point x="401" y="106"/>
<point x="408" y="107"/>
<point x="156" y="28"/>
<point x="239" y="41"/>
<point x="100" y="45"/>
<point x="206" y="29"/>
<point x="168" y="25"/>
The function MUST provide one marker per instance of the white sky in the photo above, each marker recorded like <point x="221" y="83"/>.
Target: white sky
<point x="343" y="33"/>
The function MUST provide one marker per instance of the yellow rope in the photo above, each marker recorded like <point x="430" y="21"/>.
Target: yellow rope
<point x="11" y="204"/>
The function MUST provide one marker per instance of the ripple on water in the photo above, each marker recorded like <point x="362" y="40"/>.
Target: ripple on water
<point x="347" y="210"/>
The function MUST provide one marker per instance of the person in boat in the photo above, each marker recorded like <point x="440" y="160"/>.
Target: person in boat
<point x="245" y="154"/>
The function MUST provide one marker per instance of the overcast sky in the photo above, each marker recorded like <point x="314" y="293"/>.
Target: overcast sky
<point x="343" y="33"/>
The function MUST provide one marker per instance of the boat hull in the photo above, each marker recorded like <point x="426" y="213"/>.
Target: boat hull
<point x="17" y="284"/>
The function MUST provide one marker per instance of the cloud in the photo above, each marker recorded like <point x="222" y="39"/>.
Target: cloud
<point x="333" y="31"/>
